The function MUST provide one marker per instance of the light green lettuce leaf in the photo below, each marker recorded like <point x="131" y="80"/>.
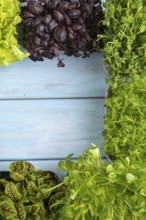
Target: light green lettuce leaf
<point x="9" y="18"/>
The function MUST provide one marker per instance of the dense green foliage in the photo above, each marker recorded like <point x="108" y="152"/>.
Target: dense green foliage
<point x="125" y="38"/>
<point x="9" y="18"/>
<point x="125" y="120"/>
<point x="96" y="190"/>
<point x="25" y="193"/>
<point x="125" y="60"/>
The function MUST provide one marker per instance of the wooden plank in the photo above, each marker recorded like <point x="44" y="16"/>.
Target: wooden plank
<point x="43" y="129"/>
<point x="79" y="78"/>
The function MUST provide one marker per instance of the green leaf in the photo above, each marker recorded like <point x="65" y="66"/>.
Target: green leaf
<point x="36" y="210"/>
<point x="7" y="209"/>
<point x="142" y="28"/>
<point x="67" y="213"/>
<point x="62" y="165"/>
<point x="112" y="176"/>
<point x="130" y="178"/>
<point x="17" y="52"/>
<point x="44" y="193"/>
<point x="22" y="190"/>
<point x="110" y="168"/>
<point x="143" y="192"/>
<point x="21" y="212"/>
<point x="74" y="193"/>
<point x="9" y="18"/>
<point x="94" y="151"/>
<point x="21" y="165"/>
<point x="32" y="188"/>
<point x="19" y="169"/>
<point x="3" y="182"/>
<point x="45" y="177"/>
<point x="17" y="176"/>
<point x="12" y="192"/>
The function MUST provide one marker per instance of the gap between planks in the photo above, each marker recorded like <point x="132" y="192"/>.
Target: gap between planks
<point x="64" y="98"/>
<point x="46" y="159"/>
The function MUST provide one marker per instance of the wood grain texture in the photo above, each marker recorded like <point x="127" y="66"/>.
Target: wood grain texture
<point x="38" y="129"/>
<point x="80" y="78"/>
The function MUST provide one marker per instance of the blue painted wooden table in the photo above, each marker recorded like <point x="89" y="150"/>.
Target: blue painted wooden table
<point x="48" y="112"/>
